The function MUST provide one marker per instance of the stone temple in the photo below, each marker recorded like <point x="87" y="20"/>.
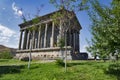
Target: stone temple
<point x="45" y="39"/>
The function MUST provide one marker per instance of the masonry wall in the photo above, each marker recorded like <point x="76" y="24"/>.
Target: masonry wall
<point x="45" y="54"/>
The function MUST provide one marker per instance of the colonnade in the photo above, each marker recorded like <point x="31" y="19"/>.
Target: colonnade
<point x="47" y="35"/>
<point x="40" y="37"/>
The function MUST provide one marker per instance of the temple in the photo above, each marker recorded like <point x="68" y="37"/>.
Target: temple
<point x="45" y="38"/>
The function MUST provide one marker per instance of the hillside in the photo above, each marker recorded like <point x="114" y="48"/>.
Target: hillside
<point x="4" y="49"/>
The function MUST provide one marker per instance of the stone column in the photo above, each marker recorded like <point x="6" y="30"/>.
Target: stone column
<point x="33" y="40"/>
<point x="52" y="36"/>
<point x="28" y="40"/>
<point x="70" y="38"/>
<point x="20" y="41"/>
<point x="74" y="41"/>
<point x="25" y="39"/>
<point x="35" y="43"/>
<point x="39" y="37"/>
<point x="60" y="30"/>
<point x="45" y="41"/>
<point x="77" y="40"/>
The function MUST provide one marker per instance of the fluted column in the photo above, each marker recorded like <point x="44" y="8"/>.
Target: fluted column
<point x="35" y="43"/>
<point x="25" y="39"/>
<point x="60" y="32"/>
<point x="74" y="41"/>
<point x="70" y="39"/>
<point x="52" y="36"/>
<point x="45" y="41"/>
<point x="33" y="40"/>
<point x="77" y="40"/>
<point x="39" y="37"/>
<point x="60" y="29"/>
<point x="20" y="41"/>
<point x="28" y="40"/>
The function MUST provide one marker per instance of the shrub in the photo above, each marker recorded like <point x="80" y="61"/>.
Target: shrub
<point x="60" y="62"/>
<point x="61" y="43"/>
<point x="24" y="59"/>
<point x="5" y="55"/>
<point x="114" y="69"/>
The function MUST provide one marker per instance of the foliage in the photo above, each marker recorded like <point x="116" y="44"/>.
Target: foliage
<point x="104" y="28"/>
<point x="27" y="16"/>
<point x="10" y="69"/>
<point x="65" y="17"/>
<point x="70" y="4"/>
<point x="36" y="20"/>
<point x="5" y="55"/>
<point x="31" y="29"/>
<point x="61" y="42"/>
<point x="114" y="69"/>
<point x="67" y="7"/>
<point x="80" y="70"/>
<point x="56" y="17"/>
<point x="60" y="62"/>
<point x="24" y="59"/>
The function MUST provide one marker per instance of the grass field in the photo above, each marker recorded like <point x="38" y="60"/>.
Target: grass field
<point x="77" y="70"/>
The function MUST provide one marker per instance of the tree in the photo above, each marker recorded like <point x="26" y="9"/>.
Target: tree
<point x="6" y="55"/>
<point x="31" y="29"/>
<point x="104" y="28"/>
<point x="67" y="7"/>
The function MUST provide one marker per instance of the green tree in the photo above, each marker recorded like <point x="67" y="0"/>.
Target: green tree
<point x="68" y="8"/>
<point x="105" y="28"/>
<point x="31" y="29"/>
<point x="6" y="55"/>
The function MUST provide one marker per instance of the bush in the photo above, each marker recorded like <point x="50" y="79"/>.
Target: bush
<point x="114" y="69"/>
<point x="60" y="62"/>
<point x="61" y="42"/>
<point x="24" y="59"/>
<point x="5" y="55"/>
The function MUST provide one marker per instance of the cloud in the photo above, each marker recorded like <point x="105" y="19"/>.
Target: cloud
<point x="16" y="10"/>
<point x="8" y="37"/>
<point x="3" y="8"/>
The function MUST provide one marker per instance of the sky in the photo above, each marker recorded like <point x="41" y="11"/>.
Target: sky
<point x="11" y="10"/>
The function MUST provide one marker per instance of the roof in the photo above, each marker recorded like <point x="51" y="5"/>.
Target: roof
<point x="48" y="17"/>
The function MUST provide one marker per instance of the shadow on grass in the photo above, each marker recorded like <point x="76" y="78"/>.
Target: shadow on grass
<point x="4" y="60"/>
<point x="114" y="69"/>
<point x="79" y="63"/>
<point x="74" y="64"/>
<point x="60" y="62"/>
<point x="10" y="69"/>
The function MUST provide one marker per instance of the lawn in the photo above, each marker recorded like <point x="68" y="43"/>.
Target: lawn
<point x="77" y="70"/>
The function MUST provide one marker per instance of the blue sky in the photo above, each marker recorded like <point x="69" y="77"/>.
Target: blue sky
<point x="9" y="20"/>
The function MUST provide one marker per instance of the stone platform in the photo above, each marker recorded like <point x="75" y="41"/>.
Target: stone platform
<point x="45" y="53"/>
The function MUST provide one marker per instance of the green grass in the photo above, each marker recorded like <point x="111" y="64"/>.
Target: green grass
<point x="77" y="70"/>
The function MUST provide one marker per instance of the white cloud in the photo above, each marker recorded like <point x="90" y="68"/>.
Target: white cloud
<point x="3" y="8"/>
<point x="8" y="37"/>
<point x="16" y="10"/>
